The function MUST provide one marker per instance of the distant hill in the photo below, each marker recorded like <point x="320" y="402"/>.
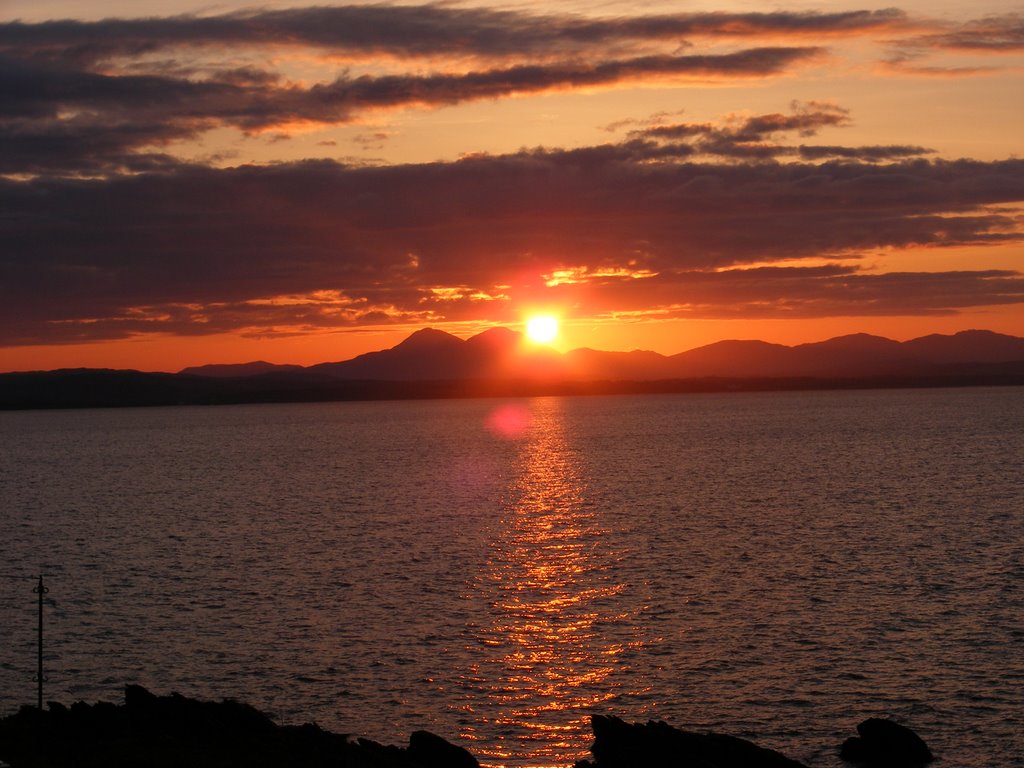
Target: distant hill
<point x="856" y="355"/>
<point x="966" y="347"/>
<point x="498" y="362"/>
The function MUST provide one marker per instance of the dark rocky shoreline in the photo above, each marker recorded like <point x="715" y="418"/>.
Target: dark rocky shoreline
<point x="165" y="731"/>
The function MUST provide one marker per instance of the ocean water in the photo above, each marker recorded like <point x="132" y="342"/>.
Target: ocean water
<point x="777" y="566"/>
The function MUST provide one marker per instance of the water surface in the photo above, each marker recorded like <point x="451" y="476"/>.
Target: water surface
<point x="778" y="566"/>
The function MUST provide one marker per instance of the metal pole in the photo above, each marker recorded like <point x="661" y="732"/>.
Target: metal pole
<point x="41" y="590"/>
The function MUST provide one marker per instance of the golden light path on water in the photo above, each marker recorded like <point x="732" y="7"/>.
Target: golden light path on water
<point x="556" y="632"/>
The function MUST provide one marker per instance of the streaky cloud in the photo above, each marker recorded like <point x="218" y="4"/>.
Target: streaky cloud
<point x="56" y="119"/>
<point x="993" y="34"/>
<point x="418" y="31"/>
<point x="758" y="138"/>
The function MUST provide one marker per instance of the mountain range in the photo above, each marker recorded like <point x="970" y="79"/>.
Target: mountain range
<point x="502" y="354"/>
<point x="498" y="362"/>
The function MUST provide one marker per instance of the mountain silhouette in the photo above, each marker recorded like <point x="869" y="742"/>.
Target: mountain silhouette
<point x="858" y="355"/>
<point x="426" y="354"/>
<point x="733" y="358"/>
<point x="500" y="353"/>
<point x="433" y="355"/>
<point x="500" y="362"/>
<point x="967" y="347"/>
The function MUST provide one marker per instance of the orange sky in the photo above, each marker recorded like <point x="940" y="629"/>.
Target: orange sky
<point x="269" y="184"/>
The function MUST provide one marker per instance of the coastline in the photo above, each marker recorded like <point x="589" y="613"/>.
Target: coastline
<point x="85" y="388"/>
<point x="175" y="730"/>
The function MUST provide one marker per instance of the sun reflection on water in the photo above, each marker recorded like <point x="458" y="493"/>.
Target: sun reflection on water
<point x="556" y="632"/>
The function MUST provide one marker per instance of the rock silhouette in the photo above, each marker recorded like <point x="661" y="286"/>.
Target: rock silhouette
<point x="885" y="744"/>
<point x="166" y="731"/>
<point x="174" y="731"/>
<point x="618" y="744"/>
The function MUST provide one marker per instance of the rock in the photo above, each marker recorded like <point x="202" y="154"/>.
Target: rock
<point x="434" y="752"/>
<point x="173" y="731"/>
<point x="885" y="744"/>
<point x="137" y="697"/>
<point x="618" y="744"/>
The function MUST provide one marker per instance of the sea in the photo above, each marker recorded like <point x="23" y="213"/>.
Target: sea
<point x="776" y="566"/>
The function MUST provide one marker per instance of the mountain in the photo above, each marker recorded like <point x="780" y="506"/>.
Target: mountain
<point x="733" y="359"/>
<point x="502" y="354"/>
<point x="967" y="347"/>
<point x="857" y="355"/>
<point x="432" y="355"/>
<point x="498" y="362"/>
<point x="844" y="356"/>
<point x="426" y="354"/>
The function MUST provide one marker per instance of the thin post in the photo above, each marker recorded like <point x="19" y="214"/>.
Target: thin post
<point x="40" y="590"/>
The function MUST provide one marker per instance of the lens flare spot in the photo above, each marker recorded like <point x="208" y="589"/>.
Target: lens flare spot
<point x="509" y="421"/>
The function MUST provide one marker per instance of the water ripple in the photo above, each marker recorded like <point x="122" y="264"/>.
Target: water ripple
<point x="777" y="566"/>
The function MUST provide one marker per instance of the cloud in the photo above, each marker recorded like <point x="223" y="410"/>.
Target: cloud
<point x="418" y="31"/>
<point x="55" y="119"/>
<point x="991" y="36"/>
<point x="807" y="292"/>
<point x="337" y="101"/>
<point x="116" y="255"/>
<point x="95" y="98"/>
<point x="905" y="63"/>
<point x="871" y="154"/>
<point x="120" y="88"/>
<point x="107" y="233"/>
<point x="759" y="137"/>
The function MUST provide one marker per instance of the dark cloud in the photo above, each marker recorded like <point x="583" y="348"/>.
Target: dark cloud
<point x="993" y="34"/>
<point x="338" y="100"/>
<point x="106" y="235"/>
<point x="166" y="250"/>
<point x="805" y="119"/>
<point x="871" y="154"/>
<point x="759" y="138"/>
<point x="807" y="292"/>
<point x="416" y="31"/>
<point x="88" y="98"/>
<point x="56" y="119"/>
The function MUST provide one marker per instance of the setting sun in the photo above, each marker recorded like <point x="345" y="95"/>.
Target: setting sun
<point x="542" y="329"/>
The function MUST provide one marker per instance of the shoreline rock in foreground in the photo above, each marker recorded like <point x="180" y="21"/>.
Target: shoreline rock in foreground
<point x="165" y="731"/>
<point x="179" y="732"/>
<point x="886" y="744"/>
<point x="618" y="744"/>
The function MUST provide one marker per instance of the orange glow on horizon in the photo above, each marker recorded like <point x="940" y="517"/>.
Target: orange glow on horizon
<point x="665" y="336"/>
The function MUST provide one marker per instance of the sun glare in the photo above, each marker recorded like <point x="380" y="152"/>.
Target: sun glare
<point x="542" y="329"/>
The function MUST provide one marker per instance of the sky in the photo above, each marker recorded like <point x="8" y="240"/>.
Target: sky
<point x="211" y="182"/>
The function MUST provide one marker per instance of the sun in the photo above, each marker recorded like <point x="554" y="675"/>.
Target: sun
<point x="542" y="329"/>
